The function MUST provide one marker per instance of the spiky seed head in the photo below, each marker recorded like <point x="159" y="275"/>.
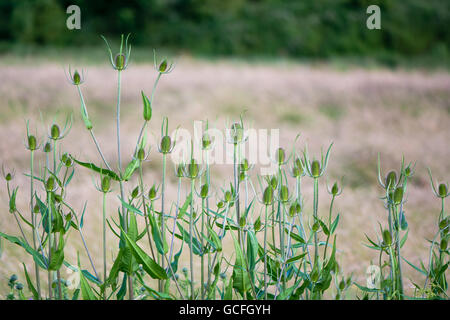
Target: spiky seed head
<point x="36" y="209"/>
<point x="443" y="244"/>
<point x="120" y="61"/>
<point x="204" y="191"/>
<point x="193" y="169"/>
<point x="50" y="184"/>
<point x="166" y="144"/>
<point x="314" y="275"/>
<point x="443" y="190"/>
<point x="141" y="154"/>
<point x="180" y="171"/>
<point x="106" y="184"/>
<point x="284" y="193"/>
<point x="32" y="144"/>
<point x="242" y="222"/>
<point x="391" y="180"/>
<point x="258" y="224"/>
<point x="13" y="278"/>
<point x="298" y="207"/>
<point x="242" y="176"/>
<point x="194" y="214"/>
<point x="281" y="156"/>
<point x="76" y="78"/>
<point x="206" y="141"/>
<point x="268" y="196"/>
<point x="244" y="165"/>
<point x="398" y="195"/>
<point x="274" y="183"/>
<point x="68" y="217"/>
<point x="443" y="223"/>
<point x="8" y="177"/>
<point x="67" y="160"/>
<point x="55" y="132"/>
<point x="135" y="192"/>
<point x="292" y="210"/>
<point x="335" y="189"/>
<point x="315" y="168"/>
<point x="47" y="147"/>
<point x="342" y="285"/>
<point x="227" y="196"/>
<point x="237" y="133"/>
<point x="163" y="66"/>
<point x="220" y="204"/>
<point x="387" y="238"/>
<point x="408" y="171"/>
<point x="152" y="193"/>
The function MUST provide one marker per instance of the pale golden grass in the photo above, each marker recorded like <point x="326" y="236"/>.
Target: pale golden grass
<point x="391" y="112"/>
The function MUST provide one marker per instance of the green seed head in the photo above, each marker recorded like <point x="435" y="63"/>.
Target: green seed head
<point x="335" y="189"/>
<point x="316" y="227"/>
<point x="258" y="224"/>
<point x="55" y="132"/>
<point x="242" y="222"/>
<point x="106" y="184"/>
<point x="180" y="171"/>
<point x="444" y="244"/>
<point x="50" y="184"/>
<point x="244" y="165"/>
<point x="76" y="78"/>
<point x="13" y="278"/>
<point x="298" y="207"/>
<point x="443" y="224"/>
<point x="398" y="195"/>
<point x="443" y="190"/>
<point x="220" y="204"/>
<point x="193" y="169"/>
<point x="163" y="66"/>
<point x="194" y="214"/>
<point x="19" y="286"/>
<point x="58" y="198"/>
<point x="135" y="192"/>
<point x="284" y="194"/>
<point x="342" y="285"/>
<point x="204" y="191"/>
<point x="67" y="160"/>
<point x="281" y="156"/>
<point x="166" y="144"/>
<point x="227" y="196"/>
<point x="32" y="144"/>
<point x="391" y="180"/>
<point x="152" y="193"/>
<point x="237" y="133"/>
<point x="8" y="177"/>
<point x="387" y="238"/>
<point x="314" y="276"/>
<point x="141" y="154"/>
<point x="408" y="171"/>
<point x="315" y="168"/>
<point x="68" y="217"/>
<point x="242" y="176"/>
<point x="206" y="141"/>
<point x="120" y="61"/>
<point x="273" y="183"/>
<point x="36" y="209"/>
<point x="268" y="196"/>
<point x="47" y="147"/>
<point x="292" y="210"/>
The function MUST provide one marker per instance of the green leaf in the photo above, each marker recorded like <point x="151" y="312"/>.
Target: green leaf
<point x="149" y="265"/>
<point x="403" y="240"/>
<point x="161" y="245"/>
<point x="40" y="260"/>
<point x="296" y="258"/>
<point x="365" y="289"/>
<point x="196" y="245"/>
<point x="57" y="255"/>
<point x="416" y="268"/>
<point x="185" y="206"/>
<point x="102" y="171"/>
<point x="215" y="238"/>
<point x="252" y="251"/>
<point x="132" y="166"/>
<point x="241" y="278"/>
<point x="147" y="107"/>
<point x="30" y="284"/>
<point x="295" y="236"/>
<point x="131" y="207"/>
<point x="86" y="290"/>
<point x="334" y="224"/>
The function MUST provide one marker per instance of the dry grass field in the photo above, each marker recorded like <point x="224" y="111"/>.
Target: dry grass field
<point x="363" y="111"/>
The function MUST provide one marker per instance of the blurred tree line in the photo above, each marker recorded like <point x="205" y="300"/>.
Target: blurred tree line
<point x="295" y="28"/>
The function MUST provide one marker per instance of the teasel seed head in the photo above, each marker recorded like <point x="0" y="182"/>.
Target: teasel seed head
<point x="47" y="147"/>
<point x="443" y="244"/>
<point x="274" y="183"/>
<point x="242" y="222"/>
<point x="281" y="156"/>
<point x="237" y="133"/>
<point x="179" y="170"/>
<point x="443" y="190"/>
<point x="227" y="196"/>
<point x="204" y="191"/>
<point x="166" y="144"/>
<point x="76" y="79"/>
<point x="220" y="204"/>
<point x="58" y="198"/>
<point x="8" y="177"/>
<point x="55" y="132"/>
<point x="36" y="209"/>
<point x="163" y="66"/>
<point x="244" y="165"/>
<point x="268" y="196"/>
<point x="106" y="184"/>
<point x="398" y="195"/>
<point x="120" y="61"/>
<point x="443" y="223"/>
<point x="335" y="189"/>
<point x="32" y="143"/>
<point x="206" y="141"/>
<point x="391" y="180"/>
<point x="315" y="168"/>
<point x="50" y="184"/>
<point x="284" y="193"/>
<point x="387" y="238"/>
<point x="135" y="192"/>
<point x="152" y="193"/>
<point x="258" y="224"/>
<point x="141" y="154"/>
<point x="193" y="169"/>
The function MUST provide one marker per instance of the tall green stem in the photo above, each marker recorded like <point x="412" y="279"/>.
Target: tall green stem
<point x="33" y="221"/>
<point x="191" y="231"/>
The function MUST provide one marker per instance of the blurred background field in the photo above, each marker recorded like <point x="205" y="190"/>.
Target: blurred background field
<point x="309" y="67"/>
